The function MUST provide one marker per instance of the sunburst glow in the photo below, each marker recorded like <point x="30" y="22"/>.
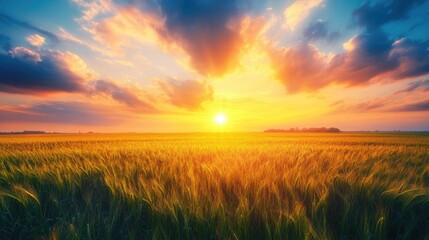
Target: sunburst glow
<point x="220" y="119"/>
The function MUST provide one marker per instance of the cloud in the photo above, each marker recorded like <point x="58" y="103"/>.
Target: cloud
<point x="36" y="40"/>
<point x="202" y="29"/>
<point x="378" y="104"/>
<point x="80" y="113"/>
<point x="10" y="21"/>
<point x="91" y="9"/>
<point x="367" y="58"/>
<point x="370" y="57"/>
<point x="413" y="107"/>
<point x="413" y="57"/>
<point x="63" y="34"/>
<point x="318" y="30"/>
<point x="212" y="33"/>
<point x="300" y="68"/>
<point x="387" y="105"/>
<point x="422" y="85"/>
<point x="25" y="54"/>
<point x="374" y="16"/>
<point x="187" y="94"/>
<point x="107" y="54"/>
<point x="128" y="23"/>
<point x="297" y="12"/>
<point x="411" y="98"/>
<point x="25" y="71"/>
<point x="123" y="95"/>
<point x="29" y="72"/>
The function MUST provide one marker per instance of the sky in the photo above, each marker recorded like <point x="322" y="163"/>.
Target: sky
<point x="175" y="65"/>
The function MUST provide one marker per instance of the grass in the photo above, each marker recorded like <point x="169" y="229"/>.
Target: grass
<point x="215" y="186"/>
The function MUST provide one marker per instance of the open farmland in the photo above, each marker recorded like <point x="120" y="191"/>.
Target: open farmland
<point x="215" y="186"/>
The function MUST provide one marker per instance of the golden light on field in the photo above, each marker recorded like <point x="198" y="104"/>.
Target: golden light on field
<point x="220" y="119"/>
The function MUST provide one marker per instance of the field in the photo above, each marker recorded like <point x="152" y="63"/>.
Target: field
<point x="215" y="186"/>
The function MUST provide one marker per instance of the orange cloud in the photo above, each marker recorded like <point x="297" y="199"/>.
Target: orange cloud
<point x="187" y="94"/>
<point x="213" y="44"/>
<point x="36" y="40"/>
<point x="74" y="64"/>
<point x="369" y="58"/>
<point x="300" y="68"/>
<point x="128" y="23"/>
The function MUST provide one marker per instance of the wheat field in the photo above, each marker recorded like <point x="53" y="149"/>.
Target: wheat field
<point x="215" y="186"/>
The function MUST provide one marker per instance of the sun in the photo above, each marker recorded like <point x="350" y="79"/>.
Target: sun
<point x="220" y="119"/>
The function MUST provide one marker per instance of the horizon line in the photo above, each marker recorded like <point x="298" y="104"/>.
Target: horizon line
<point x="26" y="132"/>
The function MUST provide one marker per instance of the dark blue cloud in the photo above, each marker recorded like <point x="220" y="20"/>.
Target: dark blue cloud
<point x="414" y="57"/>
<point x="79" y="113"/>
<point x="375" y="54"/>
<point x="12" y="22"/>
<point x="318" y="30"/>
<point x="369" y="58"/>
<point x="27" y="72"/>
<point x="374" y="16"/>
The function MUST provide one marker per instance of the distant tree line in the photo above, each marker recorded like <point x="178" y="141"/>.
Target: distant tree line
<point x="322" y="129"/>
<point x="24" y="132"/>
